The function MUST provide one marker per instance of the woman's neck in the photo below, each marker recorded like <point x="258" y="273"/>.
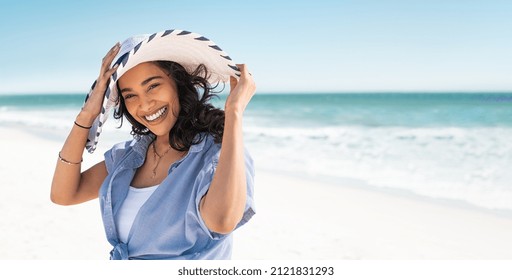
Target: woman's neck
<point x="162" y="143"/>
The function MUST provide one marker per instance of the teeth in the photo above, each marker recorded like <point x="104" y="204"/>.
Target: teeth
<point x="156" y="115"/>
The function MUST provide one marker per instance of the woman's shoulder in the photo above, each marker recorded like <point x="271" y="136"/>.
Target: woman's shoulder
<point x="209" y="146"/>
<point x="137" y="145"/>
<point x="205" y="144"/>
<point x="210" y="150"/>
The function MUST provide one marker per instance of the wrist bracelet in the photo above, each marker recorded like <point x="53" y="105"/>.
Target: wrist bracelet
<point x="84" y="127"/>
<point x="69" y="162"/>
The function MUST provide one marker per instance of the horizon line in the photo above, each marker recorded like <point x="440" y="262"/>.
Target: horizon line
<point x="303" y="92"/>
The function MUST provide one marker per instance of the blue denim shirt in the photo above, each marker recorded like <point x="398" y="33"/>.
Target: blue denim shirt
<point x="168" y="225"/>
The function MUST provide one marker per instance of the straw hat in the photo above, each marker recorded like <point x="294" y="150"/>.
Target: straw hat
<point x="184" y="47"/>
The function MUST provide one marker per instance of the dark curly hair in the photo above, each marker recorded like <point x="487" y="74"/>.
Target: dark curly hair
<point x="196" y="113"/>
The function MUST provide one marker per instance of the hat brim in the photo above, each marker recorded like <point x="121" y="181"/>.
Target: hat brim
<point x="186" y="48"/>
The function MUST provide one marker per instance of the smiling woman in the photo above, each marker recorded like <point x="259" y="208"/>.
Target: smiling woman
<point x="185" y="182"/>
<point x="149" y="93"/>
<point x="193" y="112"/>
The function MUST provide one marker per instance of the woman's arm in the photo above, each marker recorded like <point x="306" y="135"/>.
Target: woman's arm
<point x="223" y="205"/>
<point x="69" y="184"/>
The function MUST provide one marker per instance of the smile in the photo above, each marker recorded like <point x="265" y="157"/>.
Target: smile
<point x="156" y="115"/>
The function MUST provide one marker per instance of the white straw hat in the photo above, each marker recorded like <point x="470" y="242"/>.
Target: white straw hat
<point x="186" y="48"/>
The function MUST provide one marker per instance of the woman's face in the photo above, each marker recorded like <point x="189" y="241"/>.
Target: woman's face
<point x="151" y="97"/>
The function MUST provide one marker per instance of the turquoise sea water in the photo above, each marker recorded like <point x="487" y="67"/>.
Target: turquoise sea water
<point x="452" y="146"/>
<point x="373" y="110"/>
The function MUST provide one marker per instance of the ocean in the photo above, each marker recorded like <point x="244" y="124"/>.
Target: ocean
<point x="446" y="146"/>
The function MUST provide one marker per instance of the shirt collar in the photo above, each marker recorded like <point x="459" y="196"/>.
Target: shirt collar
<point x="140" y="145"/>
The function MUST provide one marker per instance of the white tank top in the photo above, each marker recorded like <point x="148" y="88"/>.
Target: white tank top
<point x="135" y="198"/>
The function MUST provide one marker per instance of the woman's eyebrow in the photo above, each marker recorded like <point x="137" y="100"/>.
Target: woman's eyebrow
<point x="150" y="79"/>
<point x="143" y="83"/>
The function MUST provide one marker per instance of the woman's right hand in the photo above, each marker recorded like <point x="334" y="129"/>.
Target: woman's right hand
<point x="92" y="106"/>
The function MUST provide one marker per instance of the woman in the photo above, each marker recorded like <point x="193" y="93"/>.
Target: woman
<point x="171" y="192"/>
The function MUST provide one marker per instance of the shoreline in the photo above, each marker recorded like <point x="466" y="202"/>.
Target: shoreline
<point x="358" y="184"/>
<point x="59" y="137"/>
<point x="296" y="217"/>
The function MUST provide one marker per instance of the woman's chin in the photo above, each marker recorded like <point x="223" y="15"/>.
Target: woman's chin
<point x="160" y="130"/>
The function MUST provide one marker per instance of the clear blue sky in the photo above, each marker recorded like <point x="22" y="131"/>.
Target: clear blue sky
<point x="290" y="46"/>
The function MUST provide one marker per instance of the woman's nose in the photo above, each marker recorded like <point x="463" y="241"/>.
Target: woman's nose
<point x="146" y="104"/>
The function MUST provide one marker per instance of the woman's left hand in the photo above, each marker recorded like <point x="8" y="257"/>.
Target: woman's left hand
<point x="241" y="91"/>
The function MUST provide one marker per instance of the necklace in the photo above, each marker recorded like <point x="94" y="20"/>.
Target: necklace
<point x="159" y="158"/>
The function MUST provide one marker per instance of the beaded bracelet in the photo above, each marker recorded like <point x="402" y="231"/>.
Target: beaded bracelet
<point x="69" y="162"/>
<point x="84" y="127"/>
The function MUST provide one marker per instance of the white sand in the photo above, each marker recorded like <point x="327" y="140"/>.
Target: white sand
<point x="296" y="218"/>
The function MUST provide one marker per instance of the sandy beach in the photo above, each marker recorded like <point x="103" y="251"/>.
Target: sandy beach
<point x="297" y="218"/>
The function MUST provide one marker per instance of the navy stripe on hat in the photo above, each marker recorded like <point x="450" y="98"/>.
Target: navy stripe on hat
<point x="215" y="47"/>
<point x="167" y="32"/>
<point x="136" y="48"/>
<point x="123" y="59"/>
<point x="151" y="37"/>
<point x="184" y="32"/>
